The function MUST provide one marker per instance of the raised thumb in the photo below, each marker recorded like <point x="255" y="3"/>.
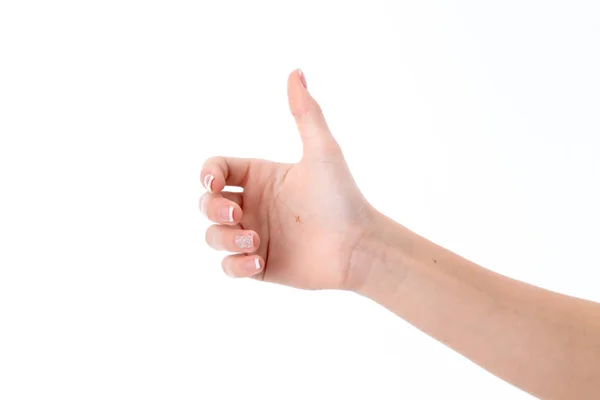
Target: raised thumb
<point x="316" y="137"/>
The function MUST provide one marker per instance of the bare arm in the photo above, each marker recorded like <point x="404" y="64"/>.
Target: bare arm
<point x="543" y="342"/>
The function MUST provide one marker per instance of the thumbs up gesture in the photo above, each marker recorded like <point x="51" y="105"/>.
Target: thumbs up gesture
<point x="294" y="224"/>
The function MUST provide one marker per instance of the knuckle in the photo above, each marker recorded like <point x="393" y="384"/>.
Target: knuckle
<point x="226" y="266"/>
<point x="203" y="202"/>
<point x="218" y="161"/>
<point x="207" y="236"/>
<point x="214" y="236"/>
<point x="213" y="160"/>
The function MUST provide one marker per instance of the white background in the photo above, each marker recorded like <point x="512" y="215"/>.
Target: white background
<point x="473" y="123"/>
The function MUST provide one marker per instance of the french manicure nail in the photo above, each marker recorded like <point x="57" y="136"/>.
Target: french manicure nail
<point x="252" y="265"/>
<point x="208" y="179"/>
<point x="244" y="241"/>
<point x="226" y="214"/>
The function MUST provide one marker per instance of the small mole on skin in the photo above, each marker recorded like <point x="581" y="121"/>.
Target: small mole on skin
<point x="435" y="261"/>
<point x="298" y="218"/>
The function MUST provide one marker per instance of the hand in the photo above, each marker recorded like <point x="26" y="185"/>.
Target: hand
<point x="297" y="224"/>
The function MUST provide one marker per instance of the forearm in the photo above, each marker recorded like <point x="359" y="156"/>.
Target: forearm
<point x="543" y="342"/>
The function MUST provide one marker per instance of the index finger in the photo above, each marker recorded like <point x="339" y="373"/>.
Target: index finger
<point x="218" y="172"/>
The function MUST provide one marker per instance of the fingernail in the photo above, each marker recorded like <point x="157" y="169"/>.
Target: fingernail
<point x="208" y="179"/>
<point x="252" y="265"/>
<point x="244" y="241"/>
<point x="302" y="78"/>
<point x="226" y="214"/>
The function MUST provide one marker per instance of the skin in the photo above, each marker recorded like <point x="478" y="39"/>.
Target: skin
<point x="312" y="228"/>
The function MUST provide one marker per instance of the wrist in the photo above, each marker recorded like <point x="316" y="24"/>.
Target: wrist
<point x="380" y="260"/>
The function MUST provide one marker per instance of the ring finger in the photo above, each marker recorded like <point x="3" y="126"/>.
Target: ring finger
<point x="233" y="239"/>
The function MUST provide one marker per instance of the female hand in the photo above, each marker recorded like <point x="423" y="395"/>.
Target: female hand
<point x="294" y="224"/>
<point x="310" y="227"/>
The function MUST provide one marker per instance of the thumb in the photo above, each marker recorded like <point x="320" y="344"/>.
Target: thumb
<point x="316" y="137"/>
